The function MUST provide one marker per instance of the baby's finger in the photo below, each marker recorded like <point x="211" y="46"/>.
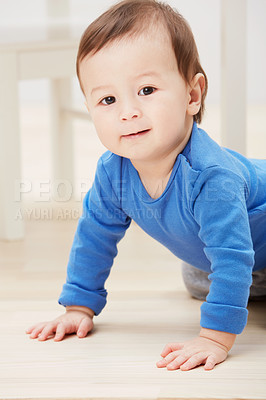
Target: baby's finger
<point x="32" y="327"/>
<point x="210" y="363"/>
<point x="47" y="331"/>
<point x="171" y="347"/>
<point x="178" y="361"/>
<point x="85" y="326"/>
<point x="36" y="330"/>
<point x="162" y="363"/>
<point x="194" y="361"/>
<point x="60" y="332"/>
<point x="171" y="357"/>
<point x="167" y="360"/>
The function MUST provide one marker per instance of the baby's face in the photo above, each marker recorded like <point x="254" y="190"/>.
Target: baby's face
<point x="137" y="98"/>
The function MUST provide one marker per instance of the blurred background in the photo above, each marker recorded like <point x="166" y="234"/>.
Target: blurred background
<point x="27" y="20"/>
<point x="49" y="222"/>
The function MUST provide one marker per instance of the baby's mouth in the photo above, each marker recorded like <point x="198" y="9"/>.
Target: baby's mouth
<point x="136" y="134"/>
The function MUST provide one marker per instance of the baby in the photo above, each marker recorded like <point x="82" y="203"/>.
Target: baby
<point x="144" y="87"/>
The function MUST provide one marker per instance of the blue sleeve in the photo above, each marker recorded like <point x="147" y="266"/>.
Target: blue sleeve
<point x="100" y="228"/>
<point x="219" y="207"/>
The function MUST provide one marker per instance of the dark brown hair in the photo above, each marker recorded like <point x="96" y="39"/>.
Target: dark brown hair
<point x="132" y="17"/>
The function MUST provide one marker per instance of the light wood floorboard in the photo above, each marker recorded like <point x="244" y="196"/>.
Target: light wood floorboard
<point x="148" y="307"/>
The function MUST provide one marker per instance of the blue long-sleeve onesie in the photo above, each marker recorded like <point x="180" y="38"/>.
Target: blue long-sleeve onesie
<point x="212" y="214"/>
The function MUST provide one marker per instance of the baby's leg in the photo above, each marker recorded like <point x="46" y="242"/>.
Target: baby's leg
<point x="198" y="284"/>
<point x="258" y="287"/>
<point x="196" y="281"/>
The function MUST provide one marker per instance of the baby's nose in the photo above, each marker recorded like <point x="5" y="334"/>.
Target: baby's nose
<point x="129" y="116"/>
<point x="129" y="113"/>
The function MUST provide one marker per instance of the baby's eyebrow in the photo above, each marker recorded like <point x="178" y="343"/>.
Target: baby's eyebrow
<point x="149" y="74"/>
<point x="102" y="87"/>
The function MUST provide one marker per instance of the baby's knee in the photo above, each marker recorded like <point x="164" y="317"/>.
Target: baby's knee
<point x="196" y="281"/>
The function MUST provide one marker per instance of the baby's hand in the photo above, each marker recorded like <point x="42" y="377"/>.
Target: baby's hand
<point x="191" y="353"/>
<point x="75" y="320"/>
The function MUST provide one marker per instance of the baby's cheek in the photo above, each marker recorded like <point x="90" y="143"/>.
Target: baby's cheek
<point x="107" y="136"/>
<point x="103" y="138"/>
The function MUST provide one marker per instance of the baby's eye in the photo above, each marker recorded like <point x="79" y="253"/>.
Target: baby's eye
<point x="147" y="90"/>
<point x="108" y="100"/>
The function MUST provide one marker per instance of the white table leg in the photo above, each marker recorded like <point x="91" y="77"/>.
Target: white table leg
<point x="233" y="80"/>
<point x="11" y="223"/>
<point x="62" y="133"/>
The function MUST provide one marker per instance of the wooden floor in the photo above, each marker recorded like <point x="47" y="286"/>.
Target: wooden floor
<point x="147" y="308"/>
<point x="148" y="305"/>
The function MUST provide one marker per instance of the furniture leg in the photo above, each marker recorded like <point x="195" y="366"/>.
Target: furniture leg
<point x="233" y="79"/>
<point x="11" y="221"/>
<point x="62" y="135"/>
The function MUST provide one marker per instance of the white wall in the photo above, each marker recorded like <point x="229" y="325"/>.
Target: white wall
<point x="203" y="16"/>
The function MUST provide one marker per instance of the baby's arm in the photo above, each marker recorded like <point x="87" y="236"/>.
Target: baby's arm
<point x="77" y="319"/>
<point x="101" y="226"/>
<point x="219" y="208"/>
<point x="209" y="348"/>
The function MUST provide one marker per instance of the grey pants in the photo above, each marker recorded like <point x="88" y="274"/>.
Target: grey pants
<point x="197" y="283"/>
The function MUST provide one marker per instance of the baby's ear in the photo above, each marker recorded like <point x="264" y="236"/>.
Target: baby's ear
<point x="196" y="89"/>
